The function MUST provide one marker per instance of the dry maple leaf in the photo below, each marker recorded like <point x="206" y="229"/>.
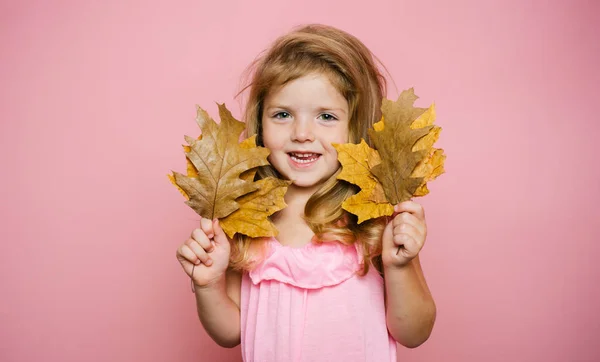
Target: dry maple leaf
<point x="432" y="165"/>
<point x="252" y="218"/>
<point x="357" y="161"/>
<point x="404" y="141"/>
<point x="216" y="160"/>
<point x="401" y="164"/>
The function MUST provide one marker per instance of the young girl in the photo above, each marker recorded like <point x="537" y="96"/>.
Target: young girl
<point x="327" y="288"/>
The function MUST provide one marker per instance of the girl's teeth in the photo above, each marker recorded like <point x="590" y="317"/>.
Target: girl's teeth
<point x="304" y="159"/>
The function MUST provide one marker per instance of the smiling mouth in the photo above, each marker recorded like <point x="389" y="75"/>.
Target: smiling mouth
<point x="304" y="158"/>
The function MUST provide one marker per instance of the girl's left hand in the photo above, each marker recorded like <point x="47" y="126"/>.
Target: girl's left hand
<point x="406" y="231"/>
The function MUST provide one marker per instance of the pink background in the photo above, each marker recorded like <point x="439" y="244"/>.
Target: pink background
<point x="95" y="100"/>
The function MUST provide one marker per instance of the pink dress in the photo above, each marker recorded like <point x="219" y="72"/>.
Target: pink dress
<point x="308" y="304"/>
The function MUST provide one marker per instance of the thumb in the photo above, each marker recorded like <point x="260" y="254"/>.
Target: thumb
<point x="220" y="237"/>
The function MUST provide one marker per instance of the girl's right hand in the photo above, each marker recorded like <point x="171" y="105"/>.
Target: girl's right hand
<point x="208" y="249"/>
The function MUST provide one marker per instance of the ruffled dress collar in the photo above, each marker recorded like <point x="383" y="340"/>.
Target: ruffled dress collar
<point x="313" y="266"/>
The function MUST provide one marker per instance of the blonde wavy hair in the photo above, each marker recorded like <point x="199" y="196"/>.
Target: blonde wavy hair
<point x="351" y="68"/>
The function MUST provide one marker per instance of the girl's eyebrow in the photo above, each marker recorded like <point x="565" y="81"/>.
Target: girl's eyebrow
<point x="341" y="110"/>
<point x="320" y="109"/>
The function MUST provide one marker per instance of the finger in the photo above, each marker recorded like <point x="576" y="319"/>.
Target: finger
<point x="411" y="207"/>
<point x="206" y="226"/>
<point x="408" y="218"/>
<point x="406" y="229"/>
<point x="220" y="236"/>
<point x="400" y="239"/>
<point x="202" y="239"/>
<point x="201" y="254"/>
<point x="408" y="250"/>
<point x="407" y="237"/>
<point x="184" y="253"/>
<point x="407" y="245"/>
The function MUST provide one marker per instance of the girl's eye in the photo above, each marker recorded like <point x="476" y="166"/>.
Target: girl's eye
<point x="281" y="115"/>
<point x="327" y="117"/>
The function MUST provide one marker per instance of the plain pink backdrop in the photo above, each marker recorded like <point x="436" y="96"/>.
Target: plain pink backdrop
<point x="95" y="98"/>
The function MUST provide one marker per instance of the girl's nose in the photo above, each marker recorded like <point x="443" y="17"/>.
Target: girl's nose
<point x="302" y="131"/>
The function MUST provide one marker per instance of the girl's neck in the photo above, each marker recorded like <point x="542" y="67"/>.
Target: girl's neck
<point x="295" y="199"/>
<point x="293" y="230"/>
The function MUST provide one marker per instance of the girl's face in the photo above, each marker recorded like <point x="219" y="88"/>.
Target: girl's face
<point x="300" y="122"/>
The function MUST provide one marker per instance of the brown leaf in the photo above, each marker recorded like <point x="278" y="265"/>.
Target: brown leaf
<point x="216" y="161"/>
<point x="402" y="163"/>
<point x="248" y="143"/>
<point x="191" y="171"/>
<point x="395" y="144"/>
<point x="252" y="218"/>
<point x="172" y="179"/>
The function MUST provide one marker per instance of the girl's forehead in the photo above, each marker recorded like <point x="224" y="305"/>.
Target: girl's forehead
<point x="311" y="88"/>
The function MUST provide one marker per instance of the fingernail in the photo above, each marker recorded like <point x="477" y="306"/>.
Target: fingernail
<point x="197" y="262"/>
<point x="208" y="262"/>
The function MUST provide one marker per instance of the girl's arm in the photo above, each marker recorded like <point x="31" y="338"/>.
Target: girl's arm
<point x="218" y="307"/>
<point x="411" y="310"/>
<point x="205" y="258"/>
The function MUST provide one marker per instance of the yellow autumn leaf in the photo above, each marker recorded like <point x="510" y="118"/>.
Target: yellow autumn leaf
<point x="432" y="165"/>
<point x="252" y="218"/>
<point x="378" y="127"/>
<point x="429" y="169"/>
<point x="356" y="160"/>
<point x="368" y="204"/>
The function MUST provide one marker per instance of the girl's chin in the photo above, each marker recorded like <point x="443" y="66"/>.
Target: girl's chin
<point x="304" y="183"/>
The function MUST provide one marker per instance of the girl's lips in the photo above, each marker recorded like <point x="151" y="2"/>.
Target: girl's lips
<point x="303" y="162"/>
